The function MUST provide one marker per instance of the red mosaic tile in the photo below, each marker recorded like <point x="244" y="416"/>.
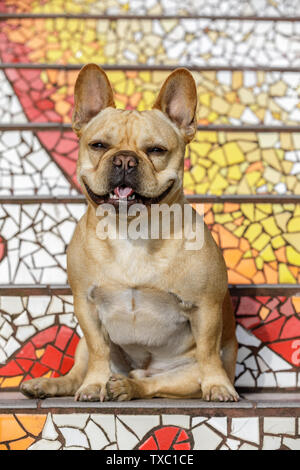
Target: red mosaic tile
<point x="11" y="369"/>
<point x="26" y="364"/>
<point x="63" y="337"/>
<point x="269" y="331"/>
<point x="45" y="336"/>
<point x="248" y="306"/>
<point x="73" y="345"/>
<point x="167" y="438"/>
<point x="2" y="248"/>
<point x="289" y="350"/>
<point x="52" y="357"/>
<point x="38" y="370"/>
<point x="291" y="328"/>
<point x="41" y="354"/>
<point x="27" y="351"/>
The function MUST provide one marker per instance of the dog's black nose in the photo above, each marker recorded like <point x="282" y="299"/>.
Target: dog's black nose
<point x="125" y="162"/>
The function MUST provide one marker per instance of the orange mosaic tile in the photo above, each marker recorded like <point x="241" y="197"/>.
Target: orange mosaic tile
<point x="20" y="431"/>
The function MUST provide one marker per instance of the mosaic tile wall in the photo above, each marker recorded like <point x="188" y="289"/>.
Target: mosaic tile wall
<point x="217" y="163"/>
<point x="97" y="431"/>
<point x="225" y="97"/>
<point x="157" y="7"/>
<point x="260" y="241"/>
<point x="189" y="41"/>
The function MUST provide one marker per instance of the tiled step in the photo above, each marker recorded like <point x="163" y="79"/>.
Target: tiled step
<point x="235" y="161"/>
<point x="216" y="163"/>
<point x="39" y="335"/>
<point x="259" y="240"/>
<point x="278" y="8"/>
<point x="167" y="41"/>
<point x="240" y="97"/>
<point x="258" y="421"/>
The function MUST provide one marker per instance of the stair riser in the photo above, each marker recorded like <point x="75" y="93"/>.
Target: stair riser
<point x="198" y="431"/>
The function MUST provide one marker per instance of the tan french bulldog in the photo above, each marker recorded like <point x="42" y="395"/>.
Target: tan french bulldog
<point x="156" y="317"/>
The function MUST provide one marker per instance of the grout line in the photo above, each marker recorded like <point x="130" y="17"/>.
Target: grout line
<point x="110" y="17"/>
<point x="235" y="290"/>
<point x="57" y="126"/>
<point x="191" y="198"/>
<point x="145" y="67"/>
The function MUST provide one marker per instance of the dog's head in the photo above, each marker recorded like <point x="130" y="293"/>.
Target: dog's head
<point x="130" y="155"/>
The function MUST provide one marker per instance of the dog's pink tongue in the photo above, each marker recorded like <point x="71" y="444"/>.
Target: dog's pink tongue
<point x="123" y="193"/>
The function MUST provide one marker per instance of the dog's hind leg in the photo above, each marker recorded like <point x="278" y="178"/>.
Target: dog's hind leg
<point x="178" y="383"/>
<point x="60" y="386"/>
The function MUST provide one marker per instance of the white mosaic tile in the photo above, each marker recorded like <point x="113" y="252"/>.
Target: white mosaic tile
<point x="246" y="429"/>
<point x="220" y="424"/>
<point x="49" y="431"/>
<point x="205" y="438"/>
<point x="126" y="439"/>
<point x="96" y="436"/>
<point x="143" y="424"/>
<point x="177" y="420"/>
<point x="271" y="443"/>
<point x="279" y="425"/>
<point x="74" y="437"/>
<point x="75" y="420"/>
<point x="107" y="423"/>
<point x="44" y="444"/>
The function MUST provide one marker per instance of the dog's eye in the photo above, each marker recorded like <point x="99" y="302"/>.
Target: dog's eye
<point x="156" y="150"/>
<point x="98" y="145"/>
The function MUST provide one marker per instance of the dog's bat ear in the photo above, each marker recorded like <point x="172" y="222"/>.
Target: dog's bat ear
<point x="178" y="99"/>
<point x="92" y="93"/>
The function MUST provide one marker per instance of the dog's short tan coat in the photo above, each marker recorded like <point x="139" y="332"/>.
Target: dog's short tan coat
<point x="157" y="318"/>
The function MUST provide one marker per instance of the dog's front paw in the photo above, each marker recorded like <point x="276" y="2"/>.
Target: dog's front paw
<point x="219" y="392"/>
<point x="39" y="388"/>
<point x="120" y="388"/>
<point x="90" y="392"/>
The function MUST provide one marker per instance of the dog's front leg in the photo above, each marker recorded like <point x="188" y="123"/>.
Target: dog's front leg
<point x="206" y="322"/>
<point x="98" y="370"/>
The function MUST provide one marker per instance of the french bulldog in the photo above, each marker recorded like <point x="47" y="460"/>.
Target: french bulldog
<point x="156" y="317"/>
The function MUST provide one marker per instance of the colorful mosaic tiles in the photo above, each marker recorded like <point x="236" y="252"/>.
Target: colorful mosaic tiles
<point x="39" y="335"/>
<point x="18" y="432"/>
<point x="243" y="163"/>
<point x="96" y="431"/>
<point x="190" y="41"/>
<point x="270" y="356"/>
<point x="49" y="353"/>
<point x="225" y="97"/>
<point x="156" y="7"/>
<point x="37" y="236"/>
<point x="260" y="242"/>
<point x="36" y="333"/>
<point x="215" y="163"/>
<point x="27" y="168"/>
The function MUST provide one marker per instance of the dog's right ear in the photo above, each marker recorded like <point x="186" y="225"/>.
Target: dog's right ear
<point x="93" y="93"/>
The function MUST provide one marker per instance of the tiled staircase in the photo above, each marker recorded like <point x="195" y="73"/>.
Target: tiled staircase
<point x="243" y="165"/>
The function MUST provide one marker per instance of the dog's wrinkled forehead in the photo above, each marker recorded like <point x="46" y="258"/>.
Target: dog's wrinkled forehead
<point x="124" y="128"/>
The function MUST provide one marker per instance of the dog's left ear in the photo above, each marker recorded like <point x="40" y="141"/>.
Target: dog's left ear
<point x="178" y="99"/>
<point x="92" y="93"/>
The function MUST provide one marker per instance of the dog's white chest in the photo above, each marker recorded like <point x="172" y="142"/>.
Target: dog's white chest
<point x="145" y="322"/>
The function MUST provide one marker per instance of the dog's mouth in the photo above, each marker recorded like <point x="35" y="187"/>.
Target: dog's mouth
<point x="122" y="194"/>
